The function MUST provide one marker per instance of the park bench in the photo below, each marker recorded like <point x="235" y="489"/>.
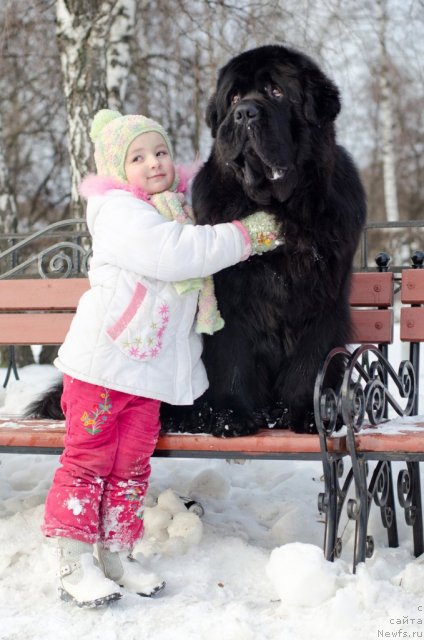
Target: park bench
<point x="39" y="311"/>
<point x="370" y="395"/>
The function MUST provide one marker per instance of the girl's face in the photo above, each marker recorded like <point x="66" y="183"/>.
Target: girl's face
<point x="148" y="164"/>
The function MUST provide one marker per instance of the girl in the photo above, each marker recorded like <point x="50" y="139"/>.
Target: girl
<point x="131" y="345"/>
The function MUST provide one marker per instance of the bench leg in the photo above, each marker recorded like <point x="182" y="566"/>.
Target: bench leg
<point x="380" y="490"/>
<point x="358" y="510"/>
<point x="11" y="367"/>
<point x="414" y="469"/>
<point x="328" y="504"/>
<point x="409" y="495"/>
<point x="337" y="497"/>
<point x="388" y="513"/>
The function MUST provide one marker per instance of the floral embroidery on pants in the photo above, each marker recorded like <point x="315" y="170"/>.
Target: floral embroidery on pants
<point x="135" y="496"/>
<point x="94" y="419"/>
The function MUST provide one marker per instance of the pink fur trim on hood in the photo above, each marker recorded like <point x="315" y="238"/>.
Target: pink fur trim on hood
<point x="94" y="185"/>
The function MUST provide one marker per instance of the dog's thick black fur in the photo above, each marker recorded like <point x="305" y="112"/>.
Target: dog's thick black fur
<point x="272" y="119"/>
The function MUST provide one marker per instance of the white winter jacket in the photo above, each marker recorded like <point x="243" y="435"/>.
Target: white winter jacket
<point x="132" y="332"/>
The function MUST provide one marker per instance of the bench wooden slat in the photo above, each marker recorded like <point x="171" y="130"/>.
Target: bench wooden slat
<point x="368" y="289"/>
<point x="34" y="328"/>
<point x="412" y="318"/>
<point x="372" y="325"/>
<point x="412" y="290"/>
<point x="408" y="441"/>
<point x="50" y="433"/>
<point x="60" y="294"/>
<point x="412" y="324"/>
<point x="371" y="289"/>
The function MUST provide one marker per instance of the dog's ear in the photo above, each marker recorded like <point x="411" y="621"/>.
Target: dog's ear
<point x="322" y="101"/>
<point x="212" y="115"/>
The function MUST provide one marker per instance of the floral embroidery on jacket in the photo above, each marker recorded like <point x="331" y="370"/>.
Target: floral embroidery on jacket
<point x="149" y="346"/>
<point x="94" y="419"/>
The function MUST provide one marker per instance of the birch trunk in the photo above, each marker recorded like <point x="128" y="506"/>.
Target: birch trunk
<point x="8" y="208"/>
<point x="9" y="224"/>
<point x="94" y="61"/>
<point x="118" y="58"/>
<point x="387" y="123"/>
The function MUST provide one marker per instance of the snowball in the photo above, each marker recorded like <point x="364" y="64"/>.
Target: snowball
<point x="169" y="501"/>
<point x="188" y="526"/>
<point x="156" y="521"/>
<point x="411" y="578"/>
<point x="301" y="575"/>
<point x="167" y="533"/>
<point x="210" y="483"/>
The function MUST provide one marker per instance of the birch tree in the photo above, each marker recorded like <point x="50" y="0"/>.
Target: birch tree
<point x="8" y="224"/>
<point x="8" y="208"/>
<point x="93" y="40"/>
<point x="387" y="123"/>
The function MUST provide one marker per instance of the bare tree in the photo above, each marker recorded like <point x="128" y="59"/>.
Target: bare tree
<point x="178" y="48"/>
<point x="8" y="208"/>
<point x="118" y="52"/>
<point x="169" y="62"/>
<point x="31" y="105"/>
<point x="93" y="42"/>
<point x="387" y="123"/>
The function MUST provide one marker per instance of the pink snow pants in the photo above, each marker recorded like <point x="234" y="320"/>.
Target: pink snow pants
<point x="98" y="491"/>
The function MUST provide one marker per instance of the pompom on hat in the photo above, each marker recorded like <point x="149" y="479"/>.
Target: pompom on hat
<point x="112" y="134"/>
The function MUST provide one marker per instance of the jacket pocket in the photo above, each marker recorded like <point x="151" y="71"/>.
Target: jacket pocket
<point x="138" y="331"/>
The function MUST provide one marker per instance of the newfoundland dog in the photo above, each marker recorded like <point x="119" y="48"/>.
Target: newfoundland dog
<point x="272" y="119"/>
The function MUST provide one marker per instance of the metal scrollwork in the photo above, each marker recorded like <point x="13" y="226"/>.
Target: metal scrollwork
<point x="353" y="387"/>
<point x="380" y="489"/>
<point x="327" y="399"/>
<point x="355" y="401"/>
<point x="406" y="377"/>
<point x="364" y="391"/>
<point x="375" y="394"/>
<point x="405" y="491"/>
<point x="331" y="502"/>
<point x="61" y="262"/>
<point x="62" y="249"/>
<point x="328" y="410"/>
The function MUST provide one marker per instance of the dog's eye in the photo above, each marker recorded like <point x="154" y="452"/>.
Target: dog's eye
<point x="276" y="91"/>
<point x="235" y="98"/>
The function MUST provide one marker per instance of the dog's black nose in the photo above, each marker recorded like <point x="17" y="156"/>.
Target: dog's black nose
<point x="245" y="113"/>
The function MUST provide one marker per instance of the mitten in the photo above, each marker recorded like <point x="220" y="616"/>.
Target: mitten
<point x="263" y="231"/>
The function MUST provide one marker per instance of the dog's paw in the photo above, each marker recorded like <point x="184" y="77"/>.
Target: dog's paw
<point x="226" y="423"/>
<point x="277" y="416"/>
<point x="304" y="424"/>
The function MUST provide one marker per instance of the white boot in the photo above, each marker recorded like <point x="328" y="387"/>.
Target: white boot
<point x="81" y="580"/>
<point x="128" y="572"/>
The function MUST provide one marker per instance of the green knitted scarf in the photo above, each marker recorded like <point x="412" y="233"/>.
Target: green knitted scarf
<point x="172" y="206"/>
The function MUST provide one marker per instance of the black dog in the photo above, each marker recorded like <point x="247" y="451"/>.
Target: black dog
<point x="272" y="118"/>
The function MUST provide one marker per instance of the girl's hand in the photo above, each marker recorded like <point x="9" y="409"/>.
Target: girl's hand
<point x="263" y="231"/>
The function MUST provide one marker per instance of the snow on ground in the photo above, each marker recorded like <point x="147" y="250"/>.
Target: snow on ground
<point x="250" y="569"/>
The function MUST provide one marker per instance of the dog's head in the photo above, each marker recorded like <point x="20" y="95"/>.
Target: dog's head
<point x="270" y="107"/>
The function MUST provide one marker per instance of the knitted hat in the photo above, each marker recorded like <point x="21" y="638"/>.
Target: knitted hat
<point x="112" y="134"/>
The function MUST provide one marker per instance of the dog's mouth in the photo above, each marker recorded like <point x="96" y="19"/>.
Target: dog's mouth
<point x="250" y="172"/>
<point x="254" y="171"/>
<point x="262" y="179"/>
